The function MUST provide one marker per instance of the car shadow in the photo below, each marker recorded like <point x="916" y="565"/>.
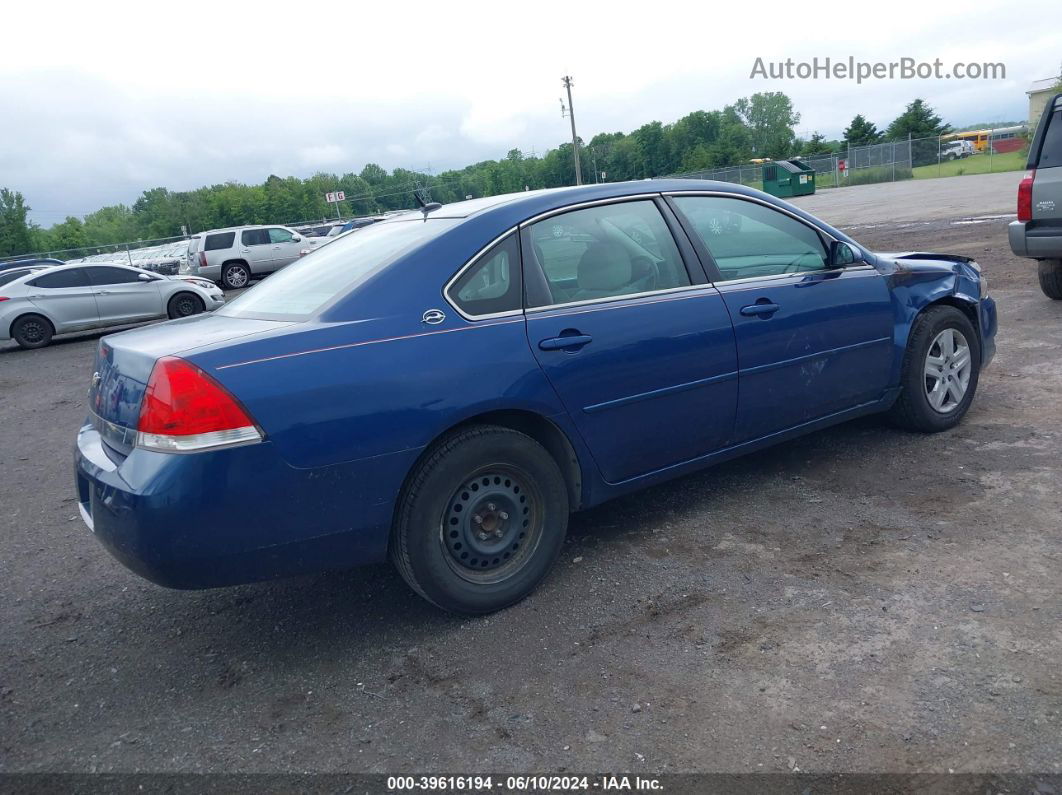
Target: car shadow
<point x="360" y="611"/>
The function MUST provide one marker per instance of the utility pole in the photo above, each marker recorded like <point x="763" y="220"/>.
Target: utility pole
<point x="570" y="113"/>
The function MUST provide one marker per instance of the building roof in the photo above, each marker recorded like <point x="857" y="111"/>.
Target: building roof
<point x="1046" y="84"/>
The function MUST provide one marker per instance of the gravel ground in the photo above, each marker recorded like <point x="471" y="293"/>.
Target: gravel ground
<point x="859" y="600"/>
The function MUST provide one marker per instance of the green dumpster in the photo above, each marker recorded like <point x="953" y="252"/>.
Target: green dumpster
<point x="786" y="178"/>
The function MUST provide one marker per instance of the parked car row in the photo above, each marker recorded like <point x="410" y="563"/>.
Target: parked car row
<point x="165" y="259"/>
<point x="38" y="302"/>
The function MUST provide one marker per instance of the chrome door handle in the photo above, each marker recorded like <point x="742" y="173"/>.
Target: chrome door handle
<point x="104" y="292"/>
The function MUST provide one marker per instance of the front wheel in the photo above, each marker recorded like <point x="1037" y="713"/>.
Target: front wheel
<point x="481" y="521"/>
<point x="940" y="371"/>
<point x="184" y="305"/>
<point x="1051" y="278"/>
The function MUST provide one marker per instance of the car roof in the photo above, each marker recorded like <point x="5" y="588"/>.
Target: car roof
<point x="507" y="210"/>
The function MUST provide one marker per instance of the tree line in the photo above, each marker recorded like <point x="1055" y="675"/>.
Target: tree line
<point x="760" y="126"/>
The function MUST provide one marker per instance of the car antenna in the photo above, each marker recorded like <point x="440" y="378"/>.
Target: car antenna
<point x="425" y="207"/>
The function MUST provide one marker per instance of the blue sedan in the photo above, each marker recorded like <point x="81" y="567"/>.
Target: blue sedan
<point x="445" y="387"/>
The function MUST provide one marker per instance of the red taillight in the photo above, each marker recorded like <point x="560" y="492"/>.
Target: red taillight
<point x="185" y="409"/>
<point x="4" y="298"/>
<point x="202" y="259"/>
<point x="1025" y="196"/>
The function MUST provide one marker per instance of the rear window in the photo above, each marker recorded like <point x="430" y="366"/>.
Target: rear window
<point x="219" y="241"/>
<point x="305" y="287"/>
<point x="1051" y="153"/>
<point x="10" y="276"/>
<point x="193" y="245"/>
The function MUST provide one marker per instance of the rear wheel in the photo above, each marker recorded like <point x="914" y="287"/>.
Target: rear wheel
<point x="940" y="371"/>
<point x="184" y="305"/>
<point x="482" y="520"/>
<point x="32" y="331"/>
<point x="1051" y="278"/>
<point x="235" y="275"/>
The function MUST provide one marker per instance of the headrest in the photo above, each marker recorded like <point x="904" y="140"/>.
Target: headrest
<point x="604" y="266"/>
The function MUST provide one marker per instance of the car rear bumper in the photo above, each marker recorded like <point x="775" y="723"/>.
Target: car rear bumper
<point x="1036" y="242"/>
<point x="234" y="515"/>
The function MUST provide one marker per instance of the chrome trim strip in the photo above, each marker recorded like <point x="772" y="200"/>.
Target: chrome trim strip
<point x="753" y="280"/>
<point x="757" y="200"/>
<point x="363" y="343"/>
<point x="670" y="294"/>
<point x="196" y="442"/>
<point x="763" y="368"/>
<point x="112" y="432"/>
<point x="667" y="390"/>
<point x="582" y="205"/>
<point x="461" y="272"/>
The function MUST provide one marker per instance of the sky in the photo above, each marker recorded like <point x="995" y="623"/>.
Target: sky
<point x="101" y="101"/>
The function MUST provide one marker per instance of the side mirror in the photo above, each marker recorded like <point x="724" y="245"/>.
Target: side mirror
<point x="841" y="254"/>
<point x="296" y="238"/>
<point x="144" y="277"/>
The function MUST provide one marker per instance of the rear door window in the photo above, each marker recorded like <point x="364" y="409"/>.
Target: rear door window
<point x="1051" y="153"/>
<point x="219" y="241"/>
<point x="255" y="237"/>
<point x="607" y="251"/>
<point x="75" y="277"/>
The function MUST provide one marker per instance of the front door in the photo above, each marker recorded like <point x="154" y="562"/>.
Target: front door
<point x="285" y="249"/>
<point x="643" y="360"/>
<point x="256" y="248"/>
<point x="812" y="339"/>
<point x="122" y="296"/>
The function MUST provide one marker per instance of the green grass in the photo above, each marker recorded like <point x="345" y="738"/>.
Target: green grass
<point x="974" y="164"/>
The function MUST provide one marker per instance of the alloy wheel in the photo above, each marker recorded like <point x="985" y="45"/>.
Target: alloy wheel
<point x="948" y="367"/>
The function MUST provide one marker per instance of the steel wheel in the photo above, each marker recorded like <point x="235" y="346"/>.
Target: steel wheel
<point x="33" y="331"/>
<point x="492" y="524"/>
<point x="948" y="367"/>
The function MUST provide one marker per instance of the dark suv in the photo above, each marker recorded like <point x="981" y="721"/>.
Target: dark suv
<point x="1038" y="231"/>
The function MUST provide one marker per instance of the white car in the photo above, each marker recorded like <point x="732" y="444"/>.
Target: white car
<point x="44" y="302"/>
<point x="232" y="257"/>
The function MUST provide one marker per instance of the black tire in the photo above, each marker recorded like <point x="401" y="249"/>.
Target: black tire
<point x="514" y="487"/>
<point x="32" y="331"/>
<point x="913" y="410"/>
<point x="1051" y="278"/>
<point x="235" y="275"/>
<point x="184" y="305"/>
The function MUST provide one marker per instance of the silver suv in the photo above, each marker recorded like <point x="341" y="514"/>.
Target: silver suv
<point x="234" y="256"/>
<point x="1038" y="231"/>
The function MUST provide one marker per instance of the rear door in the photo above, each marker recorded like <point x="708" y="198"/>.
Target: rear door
<point x="638" y="348"/>
<point x="67" y="297"/>
<point x="812" y="340"/>
<point x="121" y="295"/>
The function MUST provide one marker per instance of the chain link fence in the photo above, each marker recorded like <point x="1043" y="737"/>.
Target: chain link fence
<point x="957" y="154"/>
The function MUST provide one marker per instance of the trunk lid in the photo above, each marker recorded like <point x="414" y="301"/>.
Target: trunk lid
<point x="124" y="362"/>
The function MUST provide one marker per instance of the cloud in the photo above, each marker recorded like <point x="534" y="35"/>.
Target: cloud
<point x="165" y="104"/>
